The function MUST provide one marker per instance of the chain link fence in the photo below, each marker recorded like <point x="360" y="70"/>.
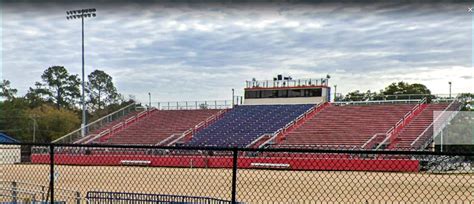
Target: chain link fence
<point x="148" y="174"/>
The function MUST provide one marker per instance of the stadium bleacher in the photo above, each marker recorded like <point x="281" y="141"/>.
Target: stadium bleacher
<point x="350" y="125"/>
<point x="107" y="126"/>
<point x="243" y="124"/>
<point x="4" y="138"/>
<point x="336" y="125"/>
<point x="418" y="125"/>
<point x="158" y="126"/>
<point x="417" y="135"/>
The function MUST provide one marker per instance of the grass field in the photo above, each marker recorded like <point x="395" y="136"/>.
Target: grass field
<point x="257" y="186"/>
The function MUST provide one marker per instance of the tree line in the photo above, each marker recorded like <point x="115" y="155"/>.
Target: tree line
<point x="396" y="90"/>
<point x="51" y="108"/>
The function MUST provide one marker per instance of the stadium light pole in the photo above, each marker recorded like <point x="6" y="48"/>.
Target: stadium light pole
<point x="233" y="96"/>
<point x="449" y="89"/>
<point x="81" y="14"/>
<point x="149" y="100"/>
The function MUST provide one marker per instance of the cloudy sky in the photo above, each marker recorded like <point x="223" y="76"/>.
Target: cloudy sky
<point x="202" y="51"/>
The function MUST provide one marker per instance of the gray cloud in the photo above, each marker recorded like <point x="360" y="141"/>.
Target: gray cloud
<point x="193" y="52"/>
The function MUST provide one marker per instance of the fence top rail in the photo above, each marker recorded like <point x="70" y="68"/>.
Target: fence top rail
<point x="287" y="82"/>
<point x="242" y="149"/>
<point x="191" y="102"/>
<point x="375" y="102"/>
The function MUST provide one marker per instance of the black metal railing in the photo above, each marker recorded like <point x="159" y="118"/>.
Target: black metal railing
<point x="70" y="173"/>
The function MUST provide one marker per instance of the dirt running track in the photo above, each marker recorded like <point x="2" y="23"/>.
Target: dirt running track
<point x="256" y="186"/>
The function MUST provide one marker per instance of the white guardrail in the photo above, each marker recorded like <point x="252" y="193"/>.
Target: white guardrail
<point x="275" y="134"/>
<point x="193" y="105"/>
<point x="342" y="103"/>
<point x="114" y="129"/>
<point x="191" y="130"/>
<point x="436" y="120"/>
<point x="394" y="129"/>
<point x="97" y="124"/>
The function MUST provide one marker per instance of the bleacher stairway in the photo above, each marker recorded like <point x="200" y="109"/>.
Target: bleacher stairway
<point x="417" y="126"/>
<point x="421" y="131"/>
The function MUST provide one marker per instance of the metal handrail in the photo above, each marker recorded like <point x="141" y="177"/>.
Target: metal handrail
<point x="427" y="128"/>
<point x="276" y="133"/>
<point x="372" y="138"/>
<point x="202" y="123"/>
<point x="128" y="120"/>
<point x="286" y="83"/>
<point x="431" y="125"/>
<point x="139" y="115"/>
<point x="410" y="96"/>
<point x="162" y="142"/>
<point x="119" y="125"/>
<point x="318" y="146"/>
<point x="388" y="134"/>
<point x="258" y="139"/>
<point x="93" y="123"/>
<point x="113" y="129"/>
<point x="101" y="134"/>
<point x="193" y="105"/>
<point x="400" y="122"/>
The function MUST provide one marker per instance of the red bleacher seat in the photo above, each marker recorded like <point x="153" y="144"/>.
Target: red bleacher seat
<point x="115" y="122"/>
<point x="351" y="125"/>
<point x="107" y="125"/>
<point x="160" y="125"/>
<point x="418" y="125"/>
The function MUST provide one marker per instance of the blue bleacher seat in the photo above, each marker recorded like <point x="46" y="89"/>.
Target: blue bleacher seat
<point x="243" y="124"/>
<point x="7" y="139"/>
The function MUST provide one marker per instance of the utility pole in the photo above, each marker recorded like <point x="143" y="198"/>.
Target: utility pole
<point x="335" y="92"/>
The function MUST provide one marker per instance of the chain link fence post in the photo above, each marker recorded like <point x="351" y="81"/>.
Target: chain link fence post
<point x="78" y="198"/>
<point x="14" y="192"/>
<point x="234" y="174"/>
<point x="51" y="172"/>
